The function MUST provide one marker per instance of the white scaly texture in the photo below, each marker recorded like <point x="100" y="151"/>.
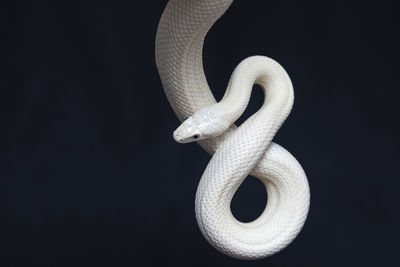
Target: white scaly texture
<point x="237" y="152"/>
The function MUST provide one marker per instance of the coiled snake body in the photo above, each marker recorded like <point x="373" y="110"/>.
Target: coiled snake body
<point x="237" y="152"/>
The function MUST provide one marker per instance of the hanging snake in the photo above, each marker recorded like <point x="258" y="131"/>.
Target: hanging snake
<point x="237" y="151"/>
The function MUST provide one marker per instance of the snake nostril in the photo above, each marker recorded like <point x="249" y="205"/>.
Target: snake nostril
<point x="195" y="136"/>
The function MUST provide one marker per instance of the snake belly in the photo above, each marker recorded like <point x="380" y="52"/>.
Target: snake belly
<point x="238" y="152"/>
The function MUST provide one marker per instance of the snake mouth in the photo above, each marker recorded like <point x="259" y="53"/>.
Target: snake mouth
<point x="184" y="138"/>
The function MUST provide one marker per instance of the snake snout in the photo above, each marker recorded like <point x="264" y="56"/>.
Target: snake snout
<point x="178" y="137"/>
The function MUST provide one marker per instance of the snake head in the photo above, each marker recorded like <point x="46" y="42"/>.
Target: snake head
<point x="201" y="125"/>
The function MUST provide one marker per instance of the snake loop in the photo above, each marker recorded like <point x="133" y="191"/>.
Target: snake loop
<point x="237" y="152"/>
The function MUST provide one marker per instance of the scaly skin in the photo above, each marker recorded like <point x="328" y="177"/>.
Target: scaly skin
<point x="237" y="152"/>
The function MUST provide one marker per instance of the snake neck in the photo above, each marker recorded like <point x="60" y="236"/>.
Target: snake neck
<point x="274" y="81"/>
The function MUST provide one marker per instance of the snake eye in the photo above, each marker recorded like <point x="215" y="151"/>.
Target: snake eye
<point x="195" y="136"/>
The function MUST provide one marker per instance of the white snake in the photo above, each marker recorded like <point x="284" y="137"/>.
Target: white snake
<point x="238" y="152"/>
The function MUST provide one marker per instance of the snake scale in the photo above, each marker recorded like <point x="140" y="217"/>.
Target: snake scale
<point x="237" y="151"/>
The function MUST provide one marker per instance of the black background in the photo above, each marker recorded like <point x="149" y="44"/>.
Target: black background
<point x="90" y="174"/>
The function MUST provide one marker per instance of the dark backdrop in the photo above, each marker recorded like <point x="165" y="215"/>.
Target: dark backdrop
<point x="90" y="174"/>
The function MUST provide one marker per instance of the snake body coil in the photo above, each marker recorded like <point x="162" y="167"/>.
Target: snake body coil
<point x="237" y="152"/>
